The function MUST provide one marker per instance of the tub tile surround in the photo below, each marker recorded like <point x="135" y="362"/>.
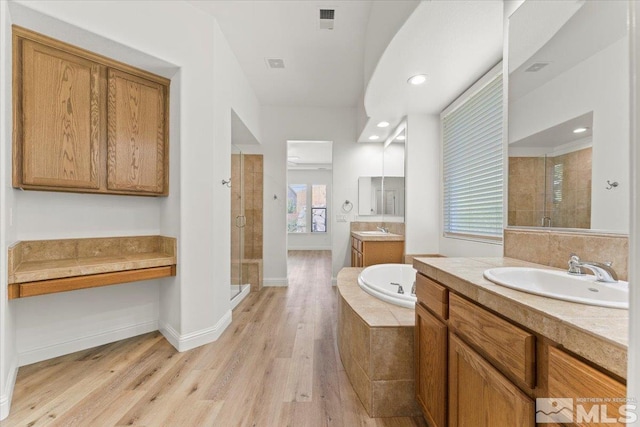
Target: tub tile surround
<point x="552" y="248"/>
<point x="375" y="341"/>
<point x="598" y="334"/>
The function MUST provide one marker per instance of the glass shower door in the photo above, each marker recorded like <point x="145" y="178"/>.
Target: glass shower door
<point x="238" y="221"/>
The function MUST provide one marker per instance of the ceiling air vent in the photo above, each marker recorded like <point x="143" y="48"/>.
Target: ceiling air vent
<point x="275" y="62"/>
<point x="327" y="17"/>
<point x="537" y="67"/>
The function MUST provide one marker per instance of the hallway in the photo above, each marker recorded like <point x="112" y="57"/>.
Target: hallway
<point x="276" y="365"/>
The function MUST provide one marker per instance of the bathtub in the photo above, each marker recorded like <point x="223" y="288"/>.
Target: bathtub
<point x="376" y="280"/>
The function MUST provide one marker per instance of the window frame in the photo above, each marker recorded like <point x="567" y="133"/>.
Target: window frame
<point x="486" y="79"/>
<point x="310" y="208"/>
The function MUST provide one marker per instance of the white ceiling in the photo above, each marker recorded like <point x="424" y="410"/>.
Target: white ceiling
<point x="591" y="27"/>
<point x="322" y="67"/>
<point x="453" y="42"/>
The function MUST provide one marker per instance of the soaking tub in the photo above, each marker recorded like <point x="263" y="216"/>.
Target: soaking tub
<point x="383" y="281"/>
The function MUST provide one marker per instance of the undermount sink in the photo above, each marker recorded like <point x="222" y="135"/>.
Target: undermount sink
<point x="561" y="285"/>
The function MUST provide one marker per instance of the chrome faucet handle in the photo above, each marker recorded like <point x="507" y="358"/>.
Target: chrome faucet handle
<point x="574" y="266"/>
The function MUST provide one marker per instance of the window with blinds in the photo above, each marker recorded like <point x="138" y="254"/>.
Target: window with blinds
<point x="473" y="165"/>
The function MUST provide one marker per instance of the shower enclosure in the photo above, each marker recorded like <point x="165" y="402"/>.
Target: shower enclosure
<point x="239" y="283"/>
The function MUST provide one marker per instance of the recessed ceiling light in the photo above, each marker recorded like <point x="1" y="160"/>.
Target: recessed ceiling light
<point x="383" y="124"/>
<point x="580" y="130"/>
<point x="418" y="79"/>
<point x="401" y="137"/>
<point x="374" y="137"/>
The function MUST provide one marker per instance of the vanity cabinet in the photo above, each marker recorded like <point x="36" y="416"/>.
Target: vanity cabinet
<point x="370" y="252"/>
<point x="476" y="367"/>
<point x="479" y="395"/>
<point x="431" y="366"/>
<point x="86" y="123"/>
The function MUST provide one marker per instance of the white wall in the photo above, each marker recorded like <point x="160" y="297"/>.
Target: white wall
<point x="192" y="308"/>
<point x="312" y="241"/>
<point x="633" y="370"/>
<point x="350" y="160"/>
<point x="599" y="84"/>
<point x="422" y="217"/>
<point x="8" y="353"/>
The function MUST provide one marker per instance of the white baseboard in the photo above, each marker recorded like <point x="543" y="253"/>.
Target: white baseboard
<point x="275" y="281"/>
<point x="78" y="344"/>
<point x="242" y="295"/>
<point x="309" y="248"/>
<point x="195" y="339"/>
<point x="7" y="393"/>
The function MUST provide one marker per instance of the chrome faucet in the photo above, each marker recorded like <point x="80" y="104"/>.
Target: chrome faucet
<point x="400" y="288"/>
<point x="603" y="271"/>
<point x="383" y="229"/>
<point x="413" y="288"/>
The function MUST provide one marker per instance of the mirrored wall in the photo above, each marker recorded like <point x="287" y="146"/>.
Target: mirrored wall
<point x="568" y="115"/>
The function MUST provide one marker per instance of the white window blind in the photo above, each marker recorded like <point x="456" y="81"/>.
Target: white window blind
<point x="473" y="165"/>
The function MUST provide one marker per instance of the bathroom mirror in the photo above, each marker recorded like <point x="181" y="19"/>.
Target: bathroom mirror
<point x="393" y="170"/>
<point x="568" y="115"/>
<point x="378" y="195"/>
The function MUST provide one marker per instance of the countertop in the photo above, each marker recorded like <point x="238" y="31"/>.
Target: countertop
<point x="598" y="334"/>
<point x="389" y="237"/>
<point x="375" y="312"/>
<point x="37" y="260"/>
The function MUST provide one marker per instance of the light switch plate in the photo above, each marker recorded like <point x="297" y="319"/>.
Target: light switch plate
<point x="341" y="218"/>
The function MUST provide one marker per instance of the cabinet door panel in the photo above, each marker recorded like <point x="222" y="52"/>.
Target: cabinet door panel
<point x="136" y="134"/>
<point x="479" y="395"/>
<point x="61" y="119"/>
<point x="572" y="378"/>
<point x="431" y="367"/>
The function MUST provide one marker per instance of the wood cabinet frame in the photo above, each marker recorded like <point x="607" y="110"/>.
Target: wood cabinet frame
<point x="101" y="67"/>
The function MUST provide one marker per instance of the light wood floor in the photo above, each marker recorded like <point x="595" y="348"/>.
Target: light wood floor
<point x="276" y="365"/>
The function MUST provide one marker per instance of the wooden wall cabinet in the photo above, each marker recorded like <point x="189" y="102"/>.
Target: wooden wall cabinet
<point x="494" y="369"/>
<point x="86" y="123"/>
<point x="370" y="252"/>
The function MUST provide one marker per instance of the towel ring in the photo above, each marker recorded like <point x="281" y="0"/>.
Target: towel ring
<point x="347" y="206"/>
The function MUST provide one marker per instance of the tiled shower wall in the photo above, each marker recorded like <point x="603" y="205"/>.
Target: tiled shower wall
<point x="553" y="248"/>
<point x="564" y="196"/>
<point x="247" y="200"/>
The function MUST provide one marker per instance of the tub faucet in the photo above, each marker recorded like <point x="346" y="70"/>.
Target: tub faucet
<point x="413" y="288"/>
<point x="603" y="271"/>
<point x="400" y="288"/>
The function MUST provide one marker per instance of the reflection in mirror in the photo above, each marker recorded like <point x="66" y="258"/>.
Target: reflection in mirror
<point x="379" y="195"/>
<point x="568" y="69"/>
<point x="554" y="166"/>
<point x="370" y="195"/>
<point x="393" y="166"/>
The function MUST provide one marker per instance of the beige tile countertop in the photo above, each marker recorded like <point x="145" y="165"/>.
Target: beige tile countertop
<point x="37" y="260"/>
<point x="388" y="237"/>
<point x="598" y="334"/>
<point x="375" y="312"/>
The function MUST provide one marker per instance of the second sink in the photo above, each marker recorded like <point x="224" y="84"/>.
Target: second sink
<point x="560" y="285"/>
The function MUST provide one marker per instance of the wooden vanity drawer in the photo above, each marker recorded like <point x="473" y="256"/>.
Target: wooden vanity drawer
<point x="432" y="295"/>
<point x="509" y="347"/>
<point x="572" y="378"/>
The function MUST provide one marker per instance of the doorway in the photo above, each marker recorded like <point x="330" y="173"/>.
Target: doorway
<point x="309" y="190"/>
